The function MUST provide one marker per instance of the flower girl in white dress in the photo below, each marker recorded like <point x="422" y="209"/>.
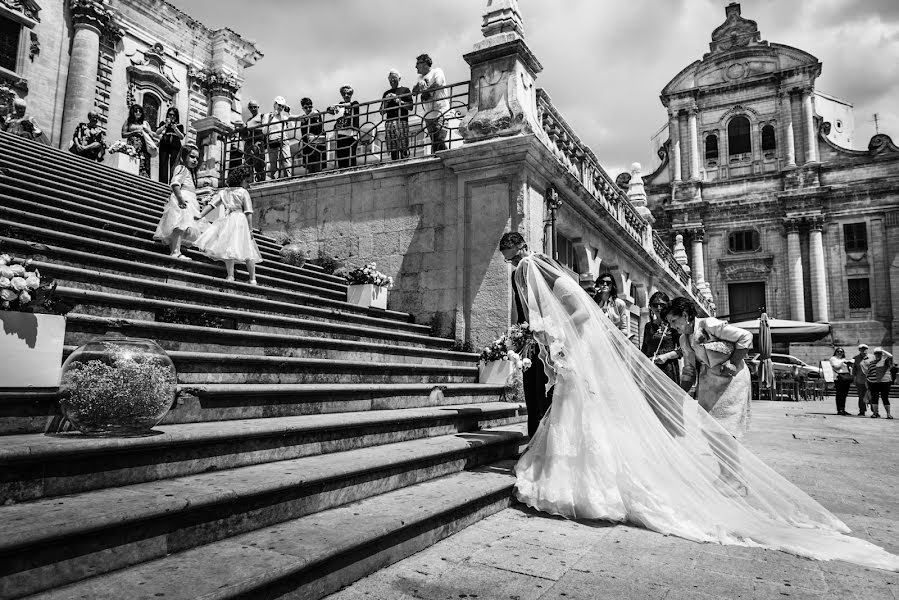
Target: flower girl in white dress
<point x="178" y="222"/>
<point x="229" y="238"/>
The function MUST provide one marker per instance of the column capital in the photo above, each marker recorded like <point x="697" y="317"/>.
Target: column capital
<point x="697" y="234"/>
<point x="815" y="222"/>
<point x="215" y="83"/>
<point x="792" y="224"/>
<point x="96" y="14"/>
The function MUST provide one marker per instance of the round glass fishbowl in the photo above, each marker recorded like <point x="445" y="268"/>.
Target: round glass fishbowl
<point x="117" y="386"/>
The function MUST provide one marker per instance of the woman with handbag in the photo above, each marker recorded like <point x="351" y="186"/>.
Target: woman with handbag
<point x="139" y="136"/>
<point x="842" y="378"/>
<point x="171" y="136"/>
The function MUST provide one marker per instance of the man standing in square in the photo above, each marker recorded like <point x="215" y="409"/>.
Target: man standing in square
<point x="860" y="375"/>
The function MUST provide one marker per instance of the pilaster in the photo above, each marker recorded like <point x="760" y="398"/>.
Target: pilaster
<point x="794" y="268"/>
<point x="820" y="302"/>
<point x="674" y="134"/>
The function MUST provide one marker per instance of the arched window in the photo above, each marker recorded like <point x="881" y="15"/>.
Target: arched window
<point x="738" y="139"/>
<point x="769" y="142"/>
<point x="151" y="109"/>
<point x="711" y="147"/>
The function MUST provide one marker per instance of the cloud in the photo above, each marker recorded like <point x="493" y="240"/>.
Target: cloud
<point x="604" y="62"/>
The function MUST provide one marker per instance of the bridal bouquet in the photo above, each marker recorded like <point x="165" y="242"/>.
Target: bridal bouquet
<point x="368" y="274"/>
<point x="515" y="345"/>
<point x="25" y="290"/>
<point x="122" y="146"/>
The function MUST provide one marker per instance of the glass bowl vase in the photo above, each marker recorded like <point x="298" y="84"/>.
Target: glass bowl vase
<point x="117" y="386"/>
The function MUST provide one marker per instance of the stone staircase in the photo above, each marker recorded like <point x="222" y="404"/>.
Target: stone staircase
<point x="314" y="442"/>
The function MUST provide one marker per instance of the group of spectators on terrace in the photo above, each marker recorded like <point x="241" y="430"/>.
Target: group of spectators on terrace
<point x="265" y="140"/>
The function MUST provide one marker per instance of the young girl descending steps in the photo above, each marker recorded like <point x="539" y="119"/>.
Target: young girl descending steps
<point x="178" y="223"/>
<point x="229" y="238"/>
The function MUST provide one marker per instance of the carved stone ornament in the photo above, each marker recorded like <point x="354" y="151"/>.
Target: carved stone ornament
<point x="753" y="268"/>
<point x="735" y="32"/>
<point x="148" y="69"/>
<point x="98" y="14"/>
<point x="34" y="46"/>
<point x="27" y="8"/>
<point x="501" y="99"/>
<point x="13" y="82"/>
<point x="215" y="83"/>
<point x="882" y="144"/>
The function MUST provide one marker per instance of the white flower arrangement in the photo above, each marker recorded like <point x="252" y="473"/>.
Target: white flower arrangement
<point x="23" y="289"/>
<point x="123" y="147"/>
<point x="368" y="274"/>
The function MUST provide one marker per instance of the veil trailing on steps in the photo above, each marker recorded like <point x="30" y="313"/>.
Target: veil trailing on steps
<point x="622" y="442"/>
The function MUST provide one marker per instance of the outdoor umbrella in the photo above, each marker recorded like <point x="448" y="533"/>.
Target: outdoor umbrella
<point x="784" y="330"/>
<point x="766" y="366"/>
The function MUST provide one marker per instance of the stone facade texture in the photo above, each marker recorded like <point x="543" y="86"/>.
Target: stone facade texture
<point x="775" y="219"/>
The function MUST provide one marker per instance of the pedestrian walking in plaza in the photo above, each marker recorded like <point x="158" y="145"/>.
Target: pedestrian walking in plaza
<point x="842" y="378"/>
<point x="860" y="377"/>
<point x="230" y="238"/>
<point x="880" y="380"/>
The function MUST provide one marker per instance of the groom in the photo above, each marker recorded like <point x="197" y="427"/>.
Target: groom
<point x="514" y="248"/>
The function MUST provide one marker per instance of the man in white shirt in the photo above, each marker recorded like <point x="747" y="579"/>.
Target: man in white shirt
<point x="434" y="102"/>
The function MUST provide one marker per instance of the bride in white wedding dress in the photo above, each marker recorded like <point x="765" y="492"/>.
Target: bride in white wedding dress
<point x="622" y="442"/>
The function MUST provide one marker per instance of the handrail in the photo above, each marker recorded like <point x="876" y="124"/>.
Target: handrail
<point x="343" y="137"/>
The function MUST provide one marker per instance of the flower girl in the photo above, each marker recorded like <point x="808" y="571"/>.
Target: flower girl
<point x="229" y="238"/>
<point x="178" y="224"/>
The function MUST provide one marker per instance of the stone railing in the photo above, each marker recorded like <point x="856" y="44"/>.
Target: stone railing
<point x="584" y="166"/>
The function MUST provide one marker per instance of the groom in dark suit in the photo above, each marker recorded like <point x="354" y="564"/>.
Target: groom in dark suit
<point x="513" y="248"/>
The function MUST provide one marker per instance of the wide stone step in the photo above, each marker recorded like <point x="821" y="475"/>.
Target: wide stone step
<point x="51" y="542"/>
<point x="36" y="224"/>
<point x="41" y="466"/>
<point x="37" y="411"/>
<point x="213" y="367"/>
<point x="81" y="328"/>
<point x="232" y="295"/>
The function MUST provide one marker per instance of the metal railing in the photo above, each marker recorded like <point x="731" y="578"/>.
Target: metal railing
<point x="348" y="135"/>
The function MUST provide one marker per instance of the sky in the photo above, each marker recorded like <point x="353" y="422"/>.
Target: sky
<point x="604" y="61"/>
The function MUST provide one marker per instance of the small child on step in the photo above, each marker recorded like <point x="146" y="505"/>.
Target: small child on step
<point x="229" y="238"/>
<point x="178" y="222"/>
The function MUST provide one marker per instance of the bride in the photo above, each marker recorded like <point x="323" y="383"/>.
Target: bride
<point x="622" y="442"/>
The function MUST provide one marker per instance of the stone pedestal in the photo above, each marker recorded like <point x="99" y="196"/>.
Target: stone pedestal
<point x="211" y="136"/>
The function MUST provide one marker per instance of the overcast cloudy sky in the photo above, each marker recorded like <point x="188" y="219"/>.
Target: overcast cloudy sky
<point x="605" y="61"/>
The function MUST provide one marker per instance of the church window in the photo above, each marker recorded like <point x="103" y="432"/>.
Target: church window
<point x="739" y="141"/>
<point x="711" y="147"/>
<point x="855" y="236"/>
<point x="9" y="43"/>
<point x="746" y="240"/>
<point x="859" y="293"/>
<point x="769" y="142"/>
<point x="151" y="109"/>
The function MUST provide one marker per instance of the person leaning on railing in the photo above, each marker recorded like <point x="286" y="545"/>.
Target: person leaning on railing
<point x="396" y="104"/>
<point x="431" y="87"/>
<point x="346" y="128"/>
<point x="313" y="144"/>
<point x="277" y="143"/>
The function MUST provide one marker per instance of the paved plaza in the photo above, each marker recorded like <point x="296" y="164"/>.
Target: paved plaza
<point x="846" y="463"/>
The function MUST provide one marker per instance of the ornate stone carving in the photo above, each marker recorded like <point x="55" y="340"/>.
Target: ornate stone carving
<point x="735" y="32"/>
<point x="13" y="82"/>
<point x="97" y="14"/>
<point x="746" y="269"/>
<point x="623" y="180"/>
<point x="815" y="222"/>
<point x="215" y="83"/>
<point x="34" y="47"/>
<point x="882" y="144"/>
<point x="27" y="8"/>
<point x="148" y="69"/>
<point x="697" y="234"/>
<point x="792" y="225"/>
<point x="739" y="109"/>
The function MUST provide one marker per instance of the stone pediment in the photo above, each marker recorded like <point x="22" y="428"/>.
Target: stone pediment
<point x="750" y="267"/>
<point x="735" y="32"/>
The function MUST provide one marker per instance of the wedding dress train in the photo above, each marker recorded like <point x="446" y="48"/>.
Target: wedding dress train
<point x="622" y="442"/>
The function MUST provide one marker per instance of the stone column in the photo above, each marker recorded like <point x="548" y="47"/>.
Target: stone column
<point x="786" y="113"/>
<point x="694" y="145"/>
<point x="808" y="116"/>
<point x="90" y="18"/>
<point x="794" y="265"/>
<point x="674" y="135"/>
<point x="697" y="236"/>
<point x="819" y="270"/>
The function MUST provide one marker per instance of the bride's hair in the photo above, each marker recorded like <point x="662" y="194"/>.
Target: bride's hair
<point x="512" y="239"/>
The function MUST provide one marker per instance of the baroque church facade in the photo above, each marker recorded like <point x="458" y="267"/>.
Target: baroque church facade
<point x="775" y="211"/>
<point x="67" y="57"/>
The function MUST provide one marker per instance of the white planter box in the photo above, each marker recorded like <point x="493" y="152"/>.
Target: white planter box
<point x="367" y="295"/>
<point x="495" y="371"/>
<point x="123" y="162"/>
<point x="30" y="349"/>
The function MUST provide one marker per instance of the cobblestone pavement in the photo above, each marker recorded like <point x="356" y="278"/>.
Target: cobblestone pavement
<point x="846" y="463"/>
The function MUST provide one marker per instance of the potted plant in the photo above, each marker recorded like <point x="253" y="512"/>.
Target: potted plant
<point x="33" y="327"/>
<point x="123" y="156"/>
<point x="329" y="264"/>
<point x="367" y="287"/>
<point x="501" y="358"/>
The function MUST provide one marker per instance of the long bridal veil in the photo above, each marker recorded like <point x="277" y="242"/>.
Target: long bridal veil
<point x="623" y="442"/>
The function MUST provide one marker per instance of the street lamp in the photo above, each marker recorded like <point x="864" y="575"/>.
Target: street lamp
<point x="553" y="201"/>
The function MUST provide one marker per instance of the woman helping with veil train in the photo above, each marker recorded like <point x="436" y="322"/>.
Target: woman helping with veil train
<point x="623" y="442"/>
